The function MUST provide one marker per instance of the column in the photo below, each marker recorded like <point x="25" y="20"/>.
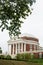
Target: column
<point x="13" y="49"/>
<point x="34" y="47"/>
<point x="30" y="47"/>
<point x="16" y="48"/>
<point x="8" y="48"/>
<point x="24" y="47"/>
<point x="19" y="47"/>
<point x="37" y="47"/>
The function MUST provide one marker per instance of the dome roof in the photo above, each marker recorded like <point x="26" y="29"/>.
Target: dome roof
<point x="27" y="35"/>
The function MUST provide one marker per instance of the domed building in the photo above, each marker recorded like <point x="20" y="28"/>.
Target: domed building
<point x="26" y="43"/>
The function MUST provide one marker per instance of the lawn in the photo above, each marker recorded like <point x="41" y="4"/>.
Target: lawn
<point x="13" y="62"/>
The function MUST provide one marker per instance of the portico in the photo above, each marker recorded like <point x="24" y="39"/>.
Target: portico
<point x="17" y="48"/>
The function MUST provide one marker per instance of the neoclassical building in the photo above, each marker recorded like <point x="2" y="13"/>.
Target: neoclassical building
<point x="26" y="43"/>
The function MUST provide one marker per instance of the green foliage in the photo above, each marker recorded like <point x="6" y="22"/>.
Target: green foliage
<point x="11" y="14"/>
<point x="8" y="57"/>
<point x="42" y="56"/>
<point x="35" y="60"/>
<point x="27" y="55"/>
<point x="2" y="56"/>
<point x="32" y="56"/>
<point x="18" y="57"/>
<point x="24" y="56"/>
<point x="0" y="50"/>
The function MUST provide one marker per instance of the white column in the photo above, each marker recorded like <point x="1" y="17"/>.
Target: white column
<point x="19" y="47"/>
<point x="13" y="49"/>
<point x="16" y="48"/>
<point x="37" y="47"/>
<point x="24" y="47"/>
<point x="9" y="49"/>
<point x="30" y="47"/>
<point x="34" y="47"/>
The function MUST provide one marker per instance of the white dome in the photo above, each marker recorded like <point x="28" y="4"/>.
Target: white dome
<point x="27" y="35"/>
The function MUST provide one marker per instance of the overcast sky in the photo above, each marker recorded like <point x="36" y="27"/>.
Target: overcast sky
<point x="32" y="25"/>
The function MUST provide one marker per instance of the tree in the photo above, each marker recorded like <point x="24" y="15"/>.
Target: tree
<point x="11" y="12"/>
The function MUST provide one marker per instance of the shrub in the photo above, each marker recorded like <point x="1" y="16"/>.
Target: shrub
<point x="42" y="56"/>
<point x="24" y="56"/>
<point x="27" y="56"/>
<point x="32" y="56"/>
<point x="18" y="56"/>
<point x="8" y="57"/>
<point x="2" y="56"/>
<point x="0" y="50"/>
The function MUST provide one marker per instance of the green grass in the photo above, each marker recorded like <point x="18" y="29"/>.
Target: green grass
<point x="13" y="62"/>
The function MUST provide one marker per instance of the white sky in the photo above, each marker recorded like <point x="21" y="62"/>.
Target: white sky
<point x="32" y="25"/>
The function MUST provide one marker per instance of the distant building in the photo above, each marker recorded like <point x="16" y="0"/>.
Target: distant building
<point x="26" y="43"/>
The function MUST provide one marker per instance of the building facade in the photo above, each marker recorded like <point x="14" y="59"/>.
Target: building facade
<point x="24" y="44"/>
